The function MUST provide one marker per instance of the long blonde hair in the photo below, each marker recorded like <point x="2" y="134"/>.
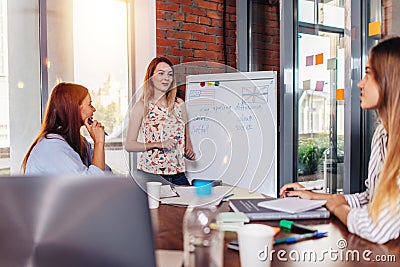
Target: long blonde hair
<point x="148" y="88"/>
<point x="385" y="64"/>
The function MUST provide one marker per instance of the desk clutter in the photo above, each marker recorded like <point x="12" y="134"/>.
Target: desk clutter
<point x="204" y="225"/>
<point x="184" y="195"/>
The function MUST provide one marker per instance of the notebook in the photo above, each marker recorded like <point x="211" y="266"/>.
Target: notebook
<point x="75" y="221"/>
<point x="292" y="204"/>
<point x="256" y="213"/>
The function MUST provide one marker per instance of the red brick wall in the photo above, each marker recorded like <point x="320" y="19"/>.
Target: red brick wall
<point x="191" y="30"/>
<point x="265" y="43"/>
<point x="391" y="23"/>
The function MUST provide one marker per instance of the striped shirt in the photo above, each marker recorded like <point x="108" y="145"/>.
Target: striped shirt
<point x="359" y="221"/>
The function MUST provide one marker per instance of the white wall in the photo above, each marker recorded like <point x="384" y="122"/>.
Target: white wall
<point x="145" y="37"/>
<point x="24" y="63"/>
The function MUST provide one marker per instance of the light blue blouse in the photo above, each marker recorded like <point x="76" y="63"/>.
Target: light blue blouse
<point x="53" y="155"/>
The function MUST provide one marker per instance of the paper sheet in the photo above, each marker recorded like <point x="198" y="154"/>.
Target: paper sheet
<point x="167" y="191"/>
<point x="169" y="258"/>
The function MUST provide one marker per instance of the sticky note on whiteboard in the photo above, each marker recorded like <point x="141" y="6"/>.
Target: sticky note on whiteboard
<point x="374" y="28"/>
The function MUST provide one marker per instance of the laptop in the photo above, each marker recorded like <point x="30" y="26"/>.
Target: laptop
<point x="74" y="221"/>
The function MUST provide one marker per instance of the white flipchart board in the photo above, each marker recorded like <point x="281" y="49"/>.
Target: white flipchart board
<point x="232" y="125"/>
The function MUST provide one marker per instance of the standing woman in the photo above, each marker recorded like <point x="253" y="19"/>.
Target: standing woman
<point x="160" y="118"/>
<point x="375" y="213"/>
<point x="59" y="147"/>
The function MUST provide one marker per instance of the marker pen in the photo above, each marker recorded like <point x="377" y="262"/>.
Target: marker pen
<point x="295" y="239"/>
<point x="295" y="227"/>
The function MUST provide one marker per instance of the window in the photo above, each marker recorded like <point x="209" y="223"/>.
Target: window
<point x="81" y="41"/>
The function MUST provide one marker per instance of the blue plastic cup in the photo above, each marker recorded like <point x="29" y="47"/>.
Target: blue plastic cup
<point x="203" y="188"/>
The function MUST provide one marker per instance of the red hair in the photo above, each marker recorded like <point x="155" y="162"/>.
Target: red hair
<point x="63" y="117"/>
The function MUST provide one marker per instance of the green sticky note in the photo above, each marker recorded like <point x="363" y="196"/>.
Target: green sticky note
<point x="227" y="217"/>
<point x="331" y="64"/>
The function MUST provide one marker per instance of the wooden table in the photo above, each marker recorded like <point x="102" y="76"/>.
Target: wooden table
<point x="327" y="251"/>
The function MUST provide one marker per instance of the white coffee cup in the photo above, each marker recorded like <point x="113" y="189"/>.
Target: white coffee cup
<point x="153" y="194"/>
<point x="255" y="245"/>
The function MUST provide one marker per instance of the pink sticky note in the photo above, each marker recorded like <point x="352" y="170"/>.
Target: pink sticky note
<point x="319" y="86"/>
<point x="309" y="60"/>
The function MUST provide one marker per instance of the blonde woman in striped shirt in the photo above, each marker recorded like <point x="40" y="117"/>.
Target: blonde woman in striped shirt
<point x="375" y="213"/>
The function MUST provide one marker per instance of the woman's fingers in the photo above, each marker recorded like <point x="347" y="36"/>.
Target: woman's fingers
<point x="286" y="186"/>
<point x="169" y="144"/>
<point x="190" y="154"/>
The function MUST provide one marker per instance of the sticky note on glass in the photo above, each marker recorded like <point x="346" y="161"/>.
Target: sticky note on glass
<point x="309" y="61"/>
<point x="374" y="28"/>
<point x="319" y="59"/>
<point x="307" y="85"/>
<point x="331" y="64"/>
<point x="319" y="86"/>
<point x="339" y="94"/>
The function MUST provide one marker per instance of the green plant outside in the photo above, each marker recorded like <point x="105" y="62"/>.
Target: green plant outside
<point x="311" y="153"/>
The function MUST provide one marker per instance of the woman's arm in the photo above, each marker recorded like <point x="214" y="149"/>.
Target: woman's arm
<point x="386" y="227"/>
<point x="96" y="131"/>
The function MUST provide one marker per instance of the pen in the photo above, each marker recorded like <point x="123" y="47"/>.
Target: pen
<point x="304" y="188"/>
<point x="297" y="238"/>
<point x="228" y="196"/>
<point x="174" y="190"/>
<point x="295" y="227"/>
<point x="90" y="121"/>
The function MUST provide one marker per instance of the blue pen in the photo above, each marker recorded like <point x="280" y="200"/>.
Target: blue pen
<point x="297" y="238"/>
<point x="228" y="196"/>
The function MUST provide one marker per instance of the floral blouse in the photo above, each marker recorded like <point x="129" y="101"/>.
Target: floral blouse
<point x="157" y="126"/>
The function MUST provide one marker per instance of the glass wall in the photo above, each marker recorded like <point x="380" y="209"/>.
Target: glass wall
<point x="87" y="43"/>
<point x="319" y="86"/>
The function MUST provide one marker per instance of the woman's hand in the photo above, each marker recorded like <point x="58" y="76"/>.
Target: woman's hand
<point x="304" y="194"/>
<point x="283" y="191"/>
<point x="189" y="153"/>
<point x="96" y="131"/>
<point x="169" y="144"/>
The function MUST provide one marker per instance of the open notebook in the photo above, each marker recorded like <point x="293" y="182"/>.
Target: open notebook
<point x="292" y="204"/>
